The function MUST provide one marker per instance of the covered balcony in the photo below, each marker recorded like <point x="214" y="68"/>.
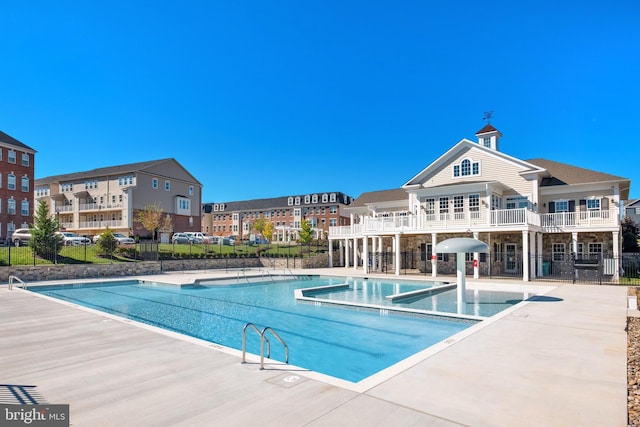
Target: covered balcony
<point x="391" y="223"/>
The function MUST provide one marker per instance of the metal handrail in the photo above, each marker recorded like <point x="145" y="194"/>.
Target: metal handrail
<point x="244" y="340"/>
<point x="13" y="279"/>
<point x="263" y="340"/>
<point x="243" y="275"/>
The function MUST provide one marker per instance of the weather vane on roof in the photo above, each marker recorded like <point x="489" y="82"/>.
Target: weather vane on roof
<point x="487" y="116"/>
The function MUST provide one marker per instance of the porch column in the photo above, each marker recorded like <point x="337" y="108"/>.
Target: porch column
<point x="434" y="257"/>
<point x="476" y="259"/>
<point x="330" y="254"/>
<point x="532" y="254"/>
<point x="355" y="254"/>
<point x="525" y="256"/>
<point x="365" y="255"/>
<point x="374" y="253"/>
<point x="616" y="255"/>
<point x="347" y="260"/>
<point x="396" y="244"/>
<point x="540" y="254"/>
<point x="574" y="251"/>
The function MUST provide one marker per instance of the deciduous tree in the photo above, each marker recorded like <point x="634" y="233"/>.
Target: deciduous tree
<point x="150" y="218"/>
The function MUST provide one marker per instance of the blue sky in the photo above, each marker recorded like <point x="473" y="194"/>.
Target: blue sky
<point x="267" y="99"/>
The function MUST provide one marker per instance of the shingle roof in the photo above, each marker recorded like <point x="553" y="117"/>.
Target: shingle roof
<point x="272" y="203"/>
<point x="105" y="171"/>
<point x="8" y="139"/>
<point x="380" y="196"/>
<point x="562" y="173"/>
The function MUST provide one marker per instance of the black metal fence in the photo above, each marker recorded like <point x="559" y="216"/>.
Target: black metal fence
<point x="89" y="253"/>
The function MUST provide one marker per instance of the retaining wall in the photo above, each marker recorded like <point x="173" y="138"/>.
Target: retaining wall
<point x="30" y="273"/>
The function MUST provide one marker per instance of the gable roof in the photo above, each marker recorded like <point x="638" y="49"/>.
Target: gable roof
<point x="109" y="171"/>
<point x="8" y="139"/>
<point x="462" y="145"/>
<point x="565" y="174"/>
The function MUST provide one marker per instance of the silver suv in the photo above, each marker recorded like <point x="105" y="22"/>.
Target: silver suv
<point x="21" y="236"/>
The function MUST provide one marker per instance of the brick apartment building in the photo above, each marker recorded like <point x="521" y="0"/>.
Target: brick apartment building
<point x="321" y="210"/>
<point x="16" y="185"/>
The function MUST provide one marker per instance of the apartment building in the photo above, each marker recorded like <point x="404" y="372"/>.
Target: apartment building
<point x="632" y="210"/>
<point x="321" y="210"/>
<point x="91" y="201"/>
<point x="533" y="214"/>
<point x="17" y="162"/>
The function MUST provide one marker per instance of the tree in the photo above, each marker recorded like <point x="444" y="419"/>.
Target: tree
<point x="44" y="240"/>
<point x="629" y="226"/>
<point x="150" y="218"/>
<point x="259" y="225"/>
<point x="167" y="224"/>
<point x="107" y="242"/>
<point x="629" y="242"/>
<point x="306" y="233"/>
<point x="267" y="231"/>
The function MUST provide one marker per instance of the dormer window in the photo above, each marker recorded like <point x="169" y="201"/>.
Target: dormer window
<point x="466" y="168"/>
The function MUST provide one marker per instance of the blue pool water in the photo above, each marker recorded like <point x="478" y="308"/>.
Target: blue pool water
<point x="346" y="343"/>
<point x="477" y="302"/>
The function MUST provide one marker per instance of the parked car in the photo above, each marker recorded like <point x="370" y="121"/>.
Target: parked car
<point x="181" y="238"/>
<point x="211" y="240"/>
<point x="74" y="239"/>
<point x="21" y="236"/>
<point x="196" y="237"/>
<point x="120" y="238"/>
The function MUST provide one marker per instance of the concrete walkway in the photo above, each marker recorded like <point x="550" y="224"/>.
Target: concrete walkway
<point x="556" y="361"/>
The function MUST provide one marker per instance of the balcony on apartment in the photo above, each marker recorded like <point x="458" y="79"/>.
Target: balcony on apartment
<point x="403" y="222"/>
<point x="100" y="206"/>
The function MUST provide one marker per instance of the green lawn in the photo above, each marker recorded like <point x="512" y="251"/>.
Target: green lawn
<point x="90" y="254"/>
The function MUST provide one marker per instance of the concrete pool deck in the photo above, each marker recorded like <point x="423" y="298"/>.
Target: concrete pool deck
<point x="558" y="361"/>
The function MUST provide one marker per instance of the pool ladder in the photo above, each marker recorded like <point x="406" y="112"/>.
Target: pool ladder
<point x="263" y="340"/>
<point x="13" y="279"/>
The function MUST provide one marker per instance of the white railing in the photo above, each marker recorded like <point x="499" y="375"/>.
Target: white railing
<point x="99" y="206"/>
<point x="64" y="208"/>
<point x="100" y="224"/>
<point x="509" y="217"/>
<point x="89" y="206"/>
<point x="581" y="219"/>
<point x="468" y="220"/>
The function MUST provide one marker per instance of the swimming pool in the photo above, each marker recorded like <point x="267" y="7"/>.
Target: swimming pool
<point x="403" y="295"/>
<point x="345" y="343"/>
